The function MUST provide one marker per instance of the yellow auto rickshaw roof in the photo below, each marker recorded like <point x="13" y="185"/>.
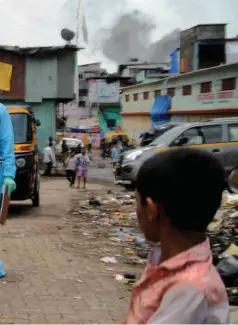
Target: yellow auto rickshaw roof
<point x="115" y="134"/>
<point x="15" y="110"/>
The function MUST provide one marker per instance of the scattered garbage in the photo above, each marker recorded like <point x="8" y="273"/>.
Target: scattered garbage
<point x="109" y="260"/>
<point x="126" y="278"/>
<point x="223" y="235"/>
<point x="95" y="202"/>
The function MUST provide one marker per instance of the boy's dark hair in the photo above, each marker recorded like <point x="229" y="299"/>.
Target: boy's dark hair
<point x="187" y="182"/>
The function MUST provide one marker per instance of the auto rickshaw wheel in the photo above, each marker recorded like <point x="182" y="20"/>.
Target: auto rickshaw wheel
<point x="36" y="197"/>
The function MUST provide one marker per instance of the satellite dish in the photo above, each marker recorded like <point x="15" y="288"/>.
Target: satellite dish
<point x="67" y="35"/>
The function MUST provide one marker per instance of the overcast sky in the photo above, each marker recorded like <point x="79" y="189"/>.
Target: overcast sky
<point x="38" y="22"/>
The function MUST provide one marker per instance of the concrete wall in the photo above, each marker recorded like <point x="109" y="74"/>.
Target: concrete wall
<point x="46" y="113"/>
<point x="65" y="77"/>
<point x="89" y="68"/>
<point x="50" y="77"/>
<point x="41" y="78"/>
<point x="134" y="125"/>
<point x="141" y="77"/>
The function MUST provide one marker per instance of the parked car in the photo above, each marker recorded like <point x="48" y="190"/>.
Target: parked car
<point x="155" y="132"/>
<point x="218" y="136"/>
<point x="72" y="143"/>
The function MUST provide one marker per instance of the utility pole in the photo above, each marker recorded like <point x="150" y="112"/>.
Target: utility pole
<point x="76" y="80"/>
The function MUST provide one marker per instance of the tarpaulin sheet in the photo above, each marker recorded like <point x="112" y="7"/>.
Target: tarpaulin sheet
<point x="5" y="76"/>
<point x="159" y="110"/>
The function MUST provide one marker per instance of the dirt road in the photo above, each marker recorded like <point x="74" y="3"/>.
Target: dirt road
<point x="53" y="262"/>
<point x="54" y="276"/>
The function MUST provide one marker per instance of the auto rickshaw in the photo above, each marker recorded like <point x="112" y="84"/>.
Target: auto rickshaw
<point x="112" y="135"/>
<point x="26" y="153"/>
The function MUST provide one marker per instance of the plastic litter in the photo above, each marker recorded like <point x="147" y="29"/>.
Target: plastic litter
<point x="232" y="250"/>
<point x="109" y="260"/>
<point x="121" y="235"/>
<point x="228" y="270"/>
<point x="94" y="202"/>
<point x="126" y="278"/>
<point x="2" y="272"/>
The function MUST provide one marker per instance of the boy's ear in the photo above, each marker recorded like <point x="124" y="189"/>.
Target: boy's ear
<point x="152" y="208"/>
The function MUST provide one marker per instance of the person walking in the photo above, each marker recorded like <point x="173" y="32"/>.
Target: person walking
<point x="64" y="151"/>
<point x="83" y="161"/>
<point x="49" y="159"/>
<point x="116" y="152"/>
<point x="71" y="168"/>
<point x="90" y="141"/>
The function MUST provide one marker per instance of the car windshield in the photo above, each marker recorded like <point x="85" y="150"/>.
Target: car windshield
<point x="21" y="123"/>
<point x="160" y="131"/>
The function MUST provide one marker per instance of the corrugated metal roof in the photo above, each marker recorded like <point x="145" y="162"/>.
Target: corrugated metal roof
<point x="38" y="50"/>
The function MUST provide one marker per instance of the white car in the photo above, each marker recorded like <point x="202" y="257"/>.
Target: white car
<point x="72" y="143"/>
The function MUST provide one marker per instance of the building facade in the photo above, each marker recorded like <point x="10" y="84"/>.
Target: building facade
<point x="196" y="95"/>
<point x="85" y="73"/>
<point x="41" y="77"/>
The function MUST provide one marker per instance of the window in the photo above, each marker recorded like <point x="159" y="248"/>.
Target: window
<point x="171" y="92"/>
<point x="83" y="92"/>
<point x="233" y="132"/>
<point x="206" y="87"/>
<point x="22" y="127"/>
<point x="146" y="95"/>
<point x="135" y="96"/>
<point x="212" y="133"/>
<point x="187" y="90"/>
<point x="157" y="93"/>
<point x="228" y="84"/>
<point x="127" y="98"/>
<point x="201" y="135"/>
<point x="193" y="138"/>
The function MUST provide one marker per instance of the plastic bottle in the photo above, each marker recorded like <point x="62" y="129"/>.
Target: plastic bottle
<point x="121" y="235"/>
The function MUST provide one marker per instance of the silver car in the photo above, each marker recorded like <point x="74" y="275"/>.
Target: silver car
<point x="218" y="136"/>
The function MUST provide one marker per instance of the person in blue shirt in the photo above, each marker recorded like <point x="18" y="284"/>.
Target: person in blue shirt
<point x="116" y="153"/>
<point x="8" y="163"/>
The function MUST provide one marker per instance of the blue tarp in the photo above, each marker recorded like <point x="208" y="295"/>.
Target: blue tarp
<point x="159" y="110"/>
<point x="174" y="67"/>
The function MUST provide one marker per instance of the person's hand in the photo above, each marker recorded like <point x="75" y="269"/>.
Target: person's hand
<point x="11" y="185"/>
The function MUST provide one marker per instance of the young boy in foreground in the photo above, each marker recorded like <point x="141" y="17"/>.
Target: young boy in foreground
<point x="178" y="194"/>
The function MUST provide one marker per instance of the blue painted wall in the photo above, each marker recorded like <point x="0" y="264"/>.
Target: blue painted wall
<point x="195" y="58"/>
<point x="175" y="59"/>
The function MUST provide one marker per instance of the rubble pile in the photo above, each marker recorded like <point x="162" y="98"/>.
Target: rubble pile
<point x="223" y="235"/>
<point x="114" y="218"/>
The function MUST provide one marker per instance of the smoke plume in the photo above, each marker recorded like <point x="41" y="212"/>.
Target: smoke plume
<point x="129" y="37"/>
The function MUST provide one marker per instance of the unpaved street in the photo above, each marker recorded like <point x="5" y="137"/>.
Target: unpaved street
<point x="52" y="256"/>
<point x="54" y="270"/>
